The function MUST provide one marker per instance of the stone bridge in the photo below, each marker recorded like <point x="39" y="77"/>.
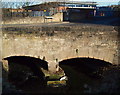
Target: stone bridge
<point x="57" y="43"/>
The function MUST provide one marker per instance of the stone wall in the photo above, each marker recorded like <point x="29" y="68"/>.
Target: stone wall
<point x="60" y="43"/>
<point x="29" y="20"/>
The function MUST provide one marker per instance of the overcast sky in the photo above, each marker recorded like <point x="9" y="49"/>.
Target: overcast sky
<point x="103" y="2"/>
<point x="100" y="2"/>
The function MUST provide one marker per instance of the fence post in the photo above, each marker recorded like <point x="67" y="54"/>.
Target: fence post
<point x="44" y="15"/>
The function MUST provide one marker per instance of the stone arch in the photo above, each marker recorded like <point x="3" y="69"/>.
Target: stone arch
<point x="27" y="62"/>
<point x="86" y="61"/>
<point x="76" y="68"/>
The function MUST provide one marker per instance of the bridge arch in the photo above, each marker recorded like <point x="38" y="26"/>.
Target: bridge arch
<point x="24" y="65"/>
<point x="83" y="70"/>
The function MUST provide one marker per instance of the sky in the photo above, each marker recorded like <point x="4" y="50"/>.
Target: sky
<point x="99" y="2"/>
<point x="104" y="2"/>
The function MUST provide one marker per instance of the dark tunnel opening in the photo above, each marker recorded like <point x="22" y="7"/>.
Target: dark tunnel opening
<point x="81" y="71"/>
<point x="25" y="70"/>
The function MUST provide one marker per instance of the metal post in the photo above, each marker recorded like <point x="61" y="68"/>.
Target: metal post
<point x="44" y="15"/>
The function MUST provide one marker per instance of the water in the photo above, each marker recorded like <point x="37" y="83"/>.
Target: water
<point x="56" y="83"/>
<point x="76" y="83"/>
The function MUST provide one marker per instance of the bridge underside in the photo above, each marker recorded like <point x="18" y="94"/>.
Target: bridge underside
<point x="85" y="65"/>
<point x="82" y="71"/>
<point x="22" y="68"/>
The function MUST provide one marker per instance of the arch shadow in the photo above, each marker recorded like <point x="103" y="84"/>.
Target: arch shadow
<point x="22" y="68"/>
<point x="85" y="65"/>
<point x="82" y="71"/>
